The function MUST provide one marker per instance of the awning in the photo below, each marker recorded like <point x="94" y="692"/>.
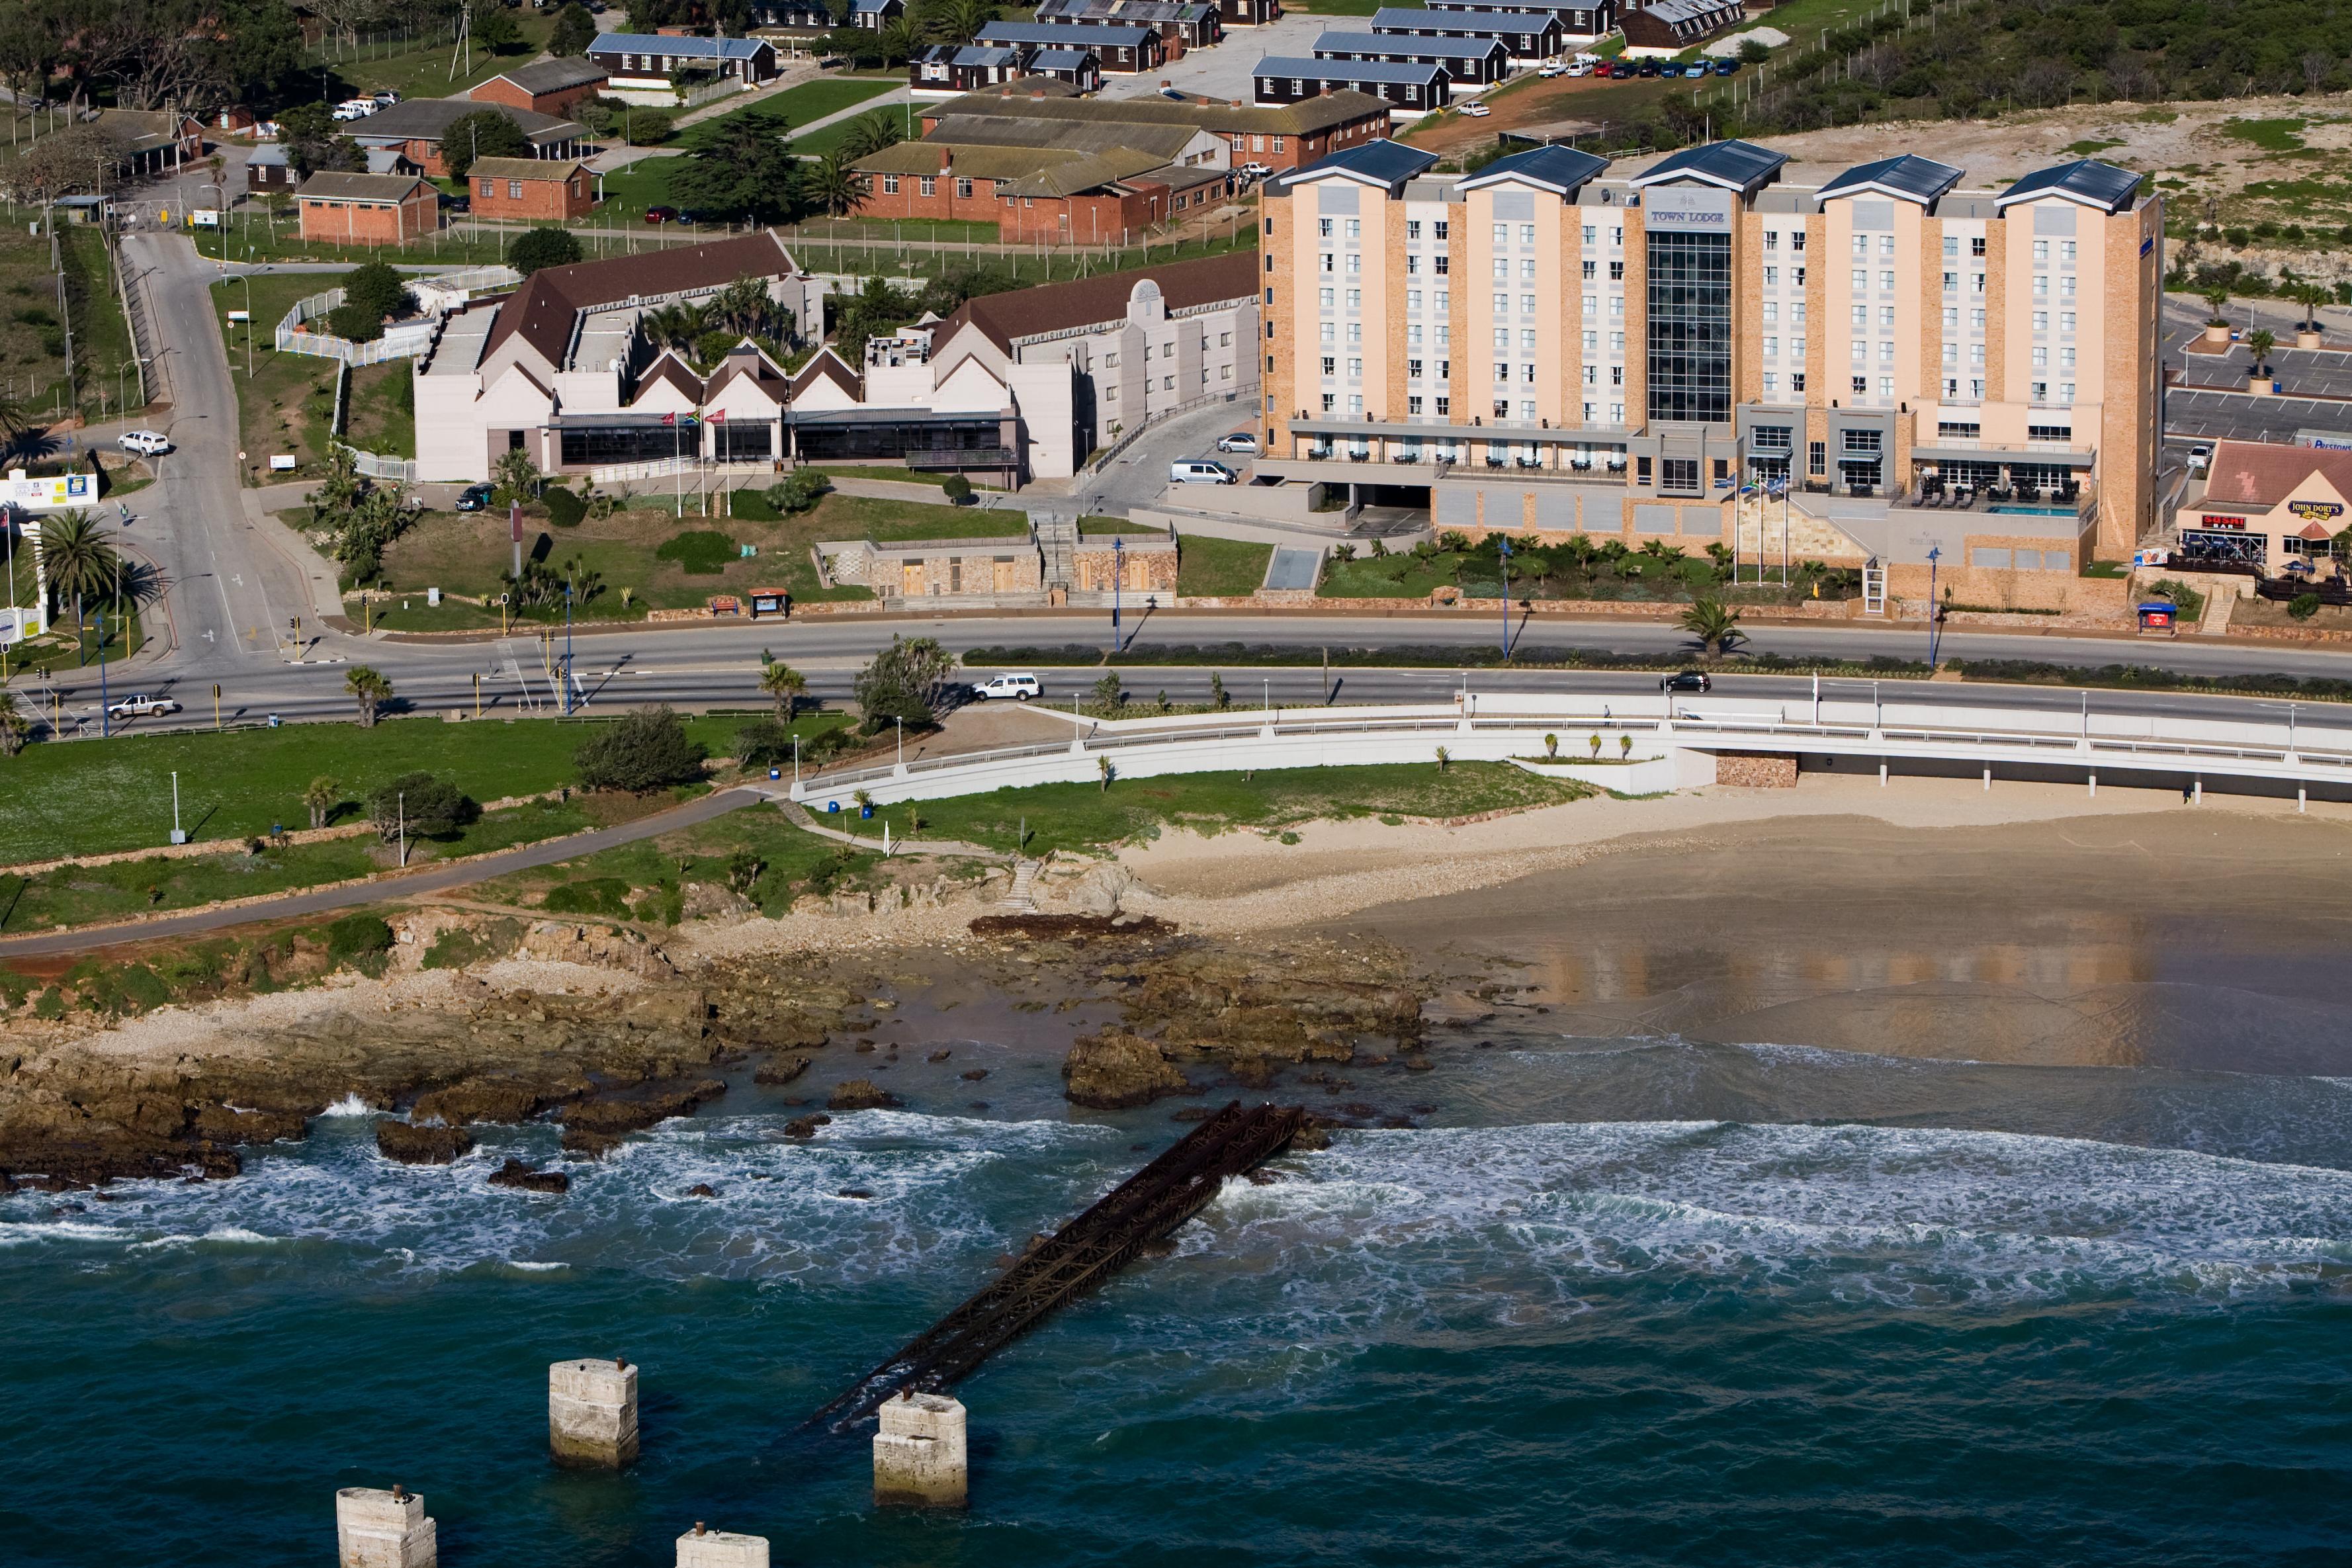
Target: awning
<point x="2013" y="455"/>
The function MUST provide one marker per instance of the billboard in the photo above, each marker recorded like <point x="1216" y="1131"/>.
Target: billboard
<point x="49" y="493"/>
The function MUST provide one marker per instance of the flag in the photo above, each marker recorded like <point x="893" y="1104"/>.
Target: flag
<point x="719" y="417"/>
<point x="669" y="418"/>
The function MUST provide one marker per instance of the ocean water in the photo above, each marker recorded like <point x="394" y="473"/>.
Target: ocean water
<point x="1615" y="1302"/>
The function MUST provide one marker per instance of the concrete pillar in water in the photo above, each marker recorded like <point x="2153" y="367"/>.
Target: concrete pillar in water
<point x="701" y="1548"/>
<point x="920" y="1459"/>
<point x="592" y="1411"/>
<point x="377" y="1529"/>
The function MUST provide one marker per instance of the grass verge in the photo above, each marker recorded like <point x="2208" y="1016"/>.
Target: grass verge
<point x="1457" y="656"/>
<point x="1220" y="568"/>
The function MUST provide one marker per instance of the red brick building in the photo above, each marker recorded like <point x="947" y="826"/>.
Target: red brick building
<point x="367" y="209"/>
<point x="541" y="190"/>
<point x="546" y="87"/>
<point x="1281" y="136"/>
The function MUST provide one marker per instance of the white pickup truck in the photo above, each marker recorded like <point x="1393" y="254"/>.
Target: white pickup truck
<point x="140" y="705"/>
<point x="1016" y="688"/>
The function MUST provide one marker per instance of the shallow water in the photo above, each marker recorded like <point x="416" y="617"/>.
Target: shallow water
<point x="1616" y="1301"/>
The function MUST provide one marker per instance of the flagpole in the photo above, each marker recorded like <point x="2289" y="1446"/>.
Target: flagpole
<point x="676" y="486"/>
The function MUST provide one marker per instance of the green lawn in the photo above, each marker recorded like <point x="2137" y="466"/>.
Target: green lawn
<point x="1220" y="568"/>
<point x="285" y="404"/>
<point x="1086" y="816"/>
<point x="1397" y="576"/>
<point x="890" y="476"/>
<point x="795" y="106"/>
<point x="32" y="332"/>
<point x="93" y="797"/>
<point x="420" y="67"/>
<point x="469" y="553"/>
<point x="1088" y="527"/>
<point x="383" y="413"/>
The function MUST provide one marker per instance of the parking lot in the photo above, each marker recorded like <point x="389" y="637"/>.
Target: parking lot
<point x="1224" y="71"/>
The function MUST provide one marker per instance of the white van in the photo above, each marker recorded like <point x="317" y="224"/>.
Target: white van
<point x="1201" y="471"/>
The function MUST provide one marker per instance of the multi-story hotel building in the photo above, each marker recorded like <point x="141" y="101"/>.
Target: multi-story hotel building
<point x="1553" y="344"/>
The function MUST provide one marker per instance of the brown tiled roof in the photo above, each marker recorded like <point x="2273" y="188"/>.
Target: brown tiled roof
<point x="547" y="305"/>
<point x="1323" y="111"/>
<point x="1077" y="175"/>
<point x="2262" y="473"/>
<point x="1060" y="307"/>
<point x="552" y="75"/>
<point x="525" y="168"/>
<point x="830" y="365"/>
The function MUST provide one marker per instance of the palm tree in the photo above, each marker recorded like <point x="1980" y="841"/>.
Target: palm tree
<point x="898" y="41"/>
<point x="2311" y="296"/>
<point x="2216" y="301"/>
<point x="785" y="684"/>
<point x="15" y="728"/>
<point x="1716" y="625"/>
<point x="320" y="796"/>
<point x="372" y="692"/>
<point x="959" y="21"/>
<point x="2259" y="343"/>
<point x="832" y="187"/>
<point x="869" y="133"/>
<point x="80" y="562"/>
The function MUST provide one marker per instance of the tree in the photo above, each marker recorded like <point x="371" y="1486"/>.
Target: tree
<point x="763" y="743"/>
<point x="902" y="683"/>
<point x="869" y="133"/>
<point x="421" y="806"/>
<point x="379" y="290"/>
<point x="1716" y="625"/>
<point x="898" y="41"/>
<point x="2311" y="296"/>
<point x="2216" y="301"/>
<point x="647" y="751"/>
<point x="370" y="690"/>
<point x="319" y="796"/>
<point x="546" y="246"/>
<point x="485" y="133"/>
<point x="15" y="728"/>
<point x="573" y="31"/>
<point x="959" y="21"/>
<point x="517" y="477"/>
<point x="72" y="158"/>
<point x="78" y="558"/>
<point x="797" y="491"/>
<point x="1105" y="772"/>
<point x="744" y="171"/>
<point x="1754" y="51"/>
<point x="784" y="684"/>
<point x="1109" y="690"/>
<point x="2259" y="343"/>
<point x="831" y="185"/>
<point x="494" y="28"/>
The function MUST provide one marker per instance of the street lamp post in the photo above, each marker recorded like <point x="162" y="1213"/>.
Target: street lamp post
<point x="246" y="279"/>
<point x="1118" y="574"/>
<point x="1935" y="554"/>
<point x="1504" y="547"/>
<point x="567" y="648"/>
<point x="105" y="718"/>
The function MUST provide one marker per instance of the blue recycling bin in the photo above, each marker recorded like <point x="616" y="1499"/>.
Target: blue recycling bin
<point x="775" y="774"/>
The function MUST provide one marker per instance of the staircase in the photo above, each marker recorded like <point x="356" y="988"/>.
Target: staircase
<point x="1023" y="895"/>
<point x="1057" y="539"/>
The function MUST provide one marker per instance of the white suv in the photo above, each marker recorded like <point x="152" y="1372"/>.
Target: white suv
<point x="1018" y="688"/>
<point x="146" y="442"/>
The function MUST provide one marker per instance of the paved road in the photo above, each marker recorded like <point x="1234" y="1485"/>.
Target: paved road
<point x="481" y="868"/>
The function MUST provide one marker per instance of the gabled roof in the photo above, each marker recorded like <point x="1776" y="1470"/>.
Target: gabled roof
<point x="1399" y="44"/>
<point x="968" y="160"/>
<point x="994" y="131"/>
<point x="524" y="168"/>
<point x="1909" y="178"/>
<point x="2265" y="473"/>
<point x="1070" y="176"/>
<point x="1060" y="59"/>
<point x="678" y="47"/>
<point x="2085" y="182"/>
<point x="1050" y="33"/>
<point x="827" y="365"/>
<point x="1103" y="299"/>
<point x="1302" y="70"/>
<point x="543" y="311"/>
<point x="1408" y="17"/>
<point x="1383" y="162"/>
<point x="1739" y="166"/>
<point x="328" y="185"/>
<point x="429" y="119"/>
<point x="670" y="369"/>
<point x="874" y="8"/>
<point x="1556" y="169"/>
<point x="966" y="54"/>
<point x="550" y="76"/>
<point x="1307" y="117"/>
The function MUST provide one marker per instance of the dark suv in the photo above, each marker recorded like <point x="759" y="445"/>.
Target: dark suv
<point x="1685" y="680"/>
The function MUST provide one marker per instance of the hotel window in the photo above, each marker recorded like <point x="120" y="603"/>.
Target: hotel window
<point x="1798" y="275"/>
<point x="1444" y="407"/>
<point x="1527" y="343"/>
<point x="1330" y="365"/>
<point x="1951" y="354"/>
<point x="1526" y="304"/>
<point x="1977" y="245"/>
<point x="1771" y="240"/>
<point x="1501" y="235"/>
<point x="963" y="189"/>
<point x="1502" y="408"/>
<point x="1502" y="371"/>
<point x="1355" y="369"/>
<point x="1330" y="263"/>
<point x="1617" y="272"/>
<point x="1592" y="304"/>
<point x="1437" y="230"/>
<point x="1796" y="381"/>
<point x="1527" y="413"/>
<point x="1502" y="340"/>
<point x="1412" y="370"/>
<point x="1591" y="268"/>
<point x="1951" y="282"/>
<point x="1771" y="277"/>
<point x="1411" y="264"/>
<point x="1861" y="315"/>
<point x="1951" y="386"/>
<point x="1886" y="282"/>
<point x="1355" y="331"/>
<point x="1862" y="386"/>
<point x="1355" y="262"/>
<point x="1952" y="246"/>
<point x="1527" y="372"/>
<point x="2040" y="250"/>
<point x="2066" y="286"/>
<point x="1326" y="403"/>
<point x="1588" y="413"/>
<point x="1771" y="310"/>
<point x="1976" y="391"/>
<point x="1444" y="263"/>
<point x="2066" y="321"/>
<point x="1326" y="298"/>
<point x="1860" y="350"/>
<point x="1323" y="227"/>
<point x="1330" y="336"/>
<point x="1976" y="354"/>
<point x="2065" y="392"/>
<point x="1527" y="234"/>
<point x="1887" y="353"/>
<point x="1592" y="342"/>
<point x="1616" y="414"/>
<point x="1796" y="348"/>
<point x="1885" y="245"/>
<point x="928" y="185"/>
<point x="2066" y="250"/>
<point x="1616" y="375"/>
<point x="1771" y="348"/>
<point x="2041" y="287"/>
<point x="1862" y="245"/>
<point x="1445" y="373"/>
<point x="1977" y="321"/>
<point x="1861" y="281"/>
<point x="1887" y="315"/>
<point x="1502" y="269"/>
<point x="1978" y="286"/>
<point x="1771" y="382"/>
<point x="1591" y="235"/>
<point x="2041" y="320"/>
<point x="1355" y="298"/>
<point x="1355" y="407"/>
<point x="1412" y="334"/>
<point x="1797" y="242"/>
<point x="1592" y="376"/>
<point x="1951" y="319"/>
<point x="1616" y="343"/>
<point x="1411" y="404"/>
<point x="1355" y="228"/>
<point x="1616" y="304"/>
<point x="2065" y="359"/>
<point x="2040" y="392"/>
<point x="1885" y="386"/>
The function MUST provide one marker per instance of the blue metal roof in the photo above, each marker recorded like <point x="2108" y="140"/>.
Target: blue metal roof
<point x="1910" y="176"/>
<point x="1406" y="18"/>
<point x="1303" y="68"/>
<point x="1059" y="59"/>
<point x="2085" y="181"/>
<point x="676" y="47"/>
<point x="1560" y="169"/>
<point x="1739" y="166"/>
<point x="1383" y="162"/>
<point x="1398" y="44"/>
<point x="1064" y="36"/>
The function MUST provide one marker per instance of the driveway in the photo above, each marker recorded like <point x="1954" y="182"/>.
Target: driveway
<point x="1138" y="474"/>
<point x="1224" y="71"/>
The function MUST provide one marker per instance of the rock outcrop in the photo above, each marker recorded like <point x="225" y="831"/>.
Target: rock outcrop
<point x="515" y="1174"/>
<point x="861" y="1094"/>
<point x="428" y="1146"/>
<point x="1114" y="1069"/>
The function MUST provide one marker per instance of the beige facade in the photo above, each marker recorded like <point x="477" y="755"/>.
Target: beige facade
<point x="1144" y="564"/>
<point x="1907" y="354"/>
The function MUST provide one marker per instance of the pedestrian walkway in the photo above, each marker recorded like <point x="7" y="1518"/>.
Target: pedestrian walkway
<point x="801" y="817"/>
<point x="1058" y="538"/>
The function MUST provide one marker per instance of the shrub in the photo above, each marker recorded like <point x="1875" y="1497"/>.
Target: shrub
<point x="356" y="322"/>
<point x="594" y="896"/>
<point x="377" y="288"/>
<point x="357" y="936"/>
<point x="647" y="750"/>
<point x="423" y="805"/>
<point x="957" y="488"/>
<point x="564" y="509"/>
<point x="763" y="743"/>
<point x="901" y="683"/>
<point x="545" y="245"/>
<point x="796" y="491"/>
<point x="700" y="553"/>
<point x="2302" y="606"/>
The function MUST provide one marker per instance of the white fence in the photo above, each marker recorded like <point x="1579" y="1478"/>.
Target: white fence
<point x="409" y="340"/>
<point x="1675" y="742"/>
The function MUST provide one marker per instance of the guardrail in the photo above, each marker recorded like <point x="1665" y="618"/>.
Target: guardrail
<point x="1681" y="743"/>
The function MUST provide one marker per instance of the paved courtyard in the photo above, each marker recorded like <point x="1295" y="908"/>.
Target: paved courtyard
<point x="1224" y="71"/>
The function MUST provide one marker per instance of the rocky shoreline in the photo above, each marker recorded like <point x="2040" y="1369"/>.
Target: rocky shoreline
<point x="606" y="1034"/>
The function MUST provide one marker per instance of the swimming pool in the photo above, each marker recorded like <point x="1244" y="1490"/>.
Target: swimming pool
<point x="2035" y="511"/>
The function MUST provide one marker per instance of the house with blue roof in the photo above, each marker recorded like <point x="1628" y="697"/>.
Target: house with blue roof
<point x="645" y="62"/>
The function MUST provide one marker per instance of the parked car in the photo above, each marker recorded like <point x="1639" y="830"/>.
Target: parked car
<point x="356" y="109"/>
<point x="661" y="215"/>
<point x="1476" y="111"/>
<point x="456" y="204"/>
<point x="1201" y="471"/>
<point x="140" y="705"/>
<point x="1009" y="688"/>
<point x="1647" y="68"/>
<point x="1685" y="680"/>
<point x="1239" y="441"/>
<point x="474" y="498"/>
<point x="2200" y="458"/>
<point x="1726" y="67"/>
<point x="1254" y="170"/>
<point x="146" y="442"/>
<point x="385" y="99"/>
<point x="267" y="131"/>
<point x="1551" y="69"/>
<point x="1580" y="69"/>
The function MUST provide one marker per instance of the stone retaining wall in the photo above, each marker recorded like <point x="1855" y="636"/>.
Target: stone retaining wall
<point x="1756" y="770"/>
